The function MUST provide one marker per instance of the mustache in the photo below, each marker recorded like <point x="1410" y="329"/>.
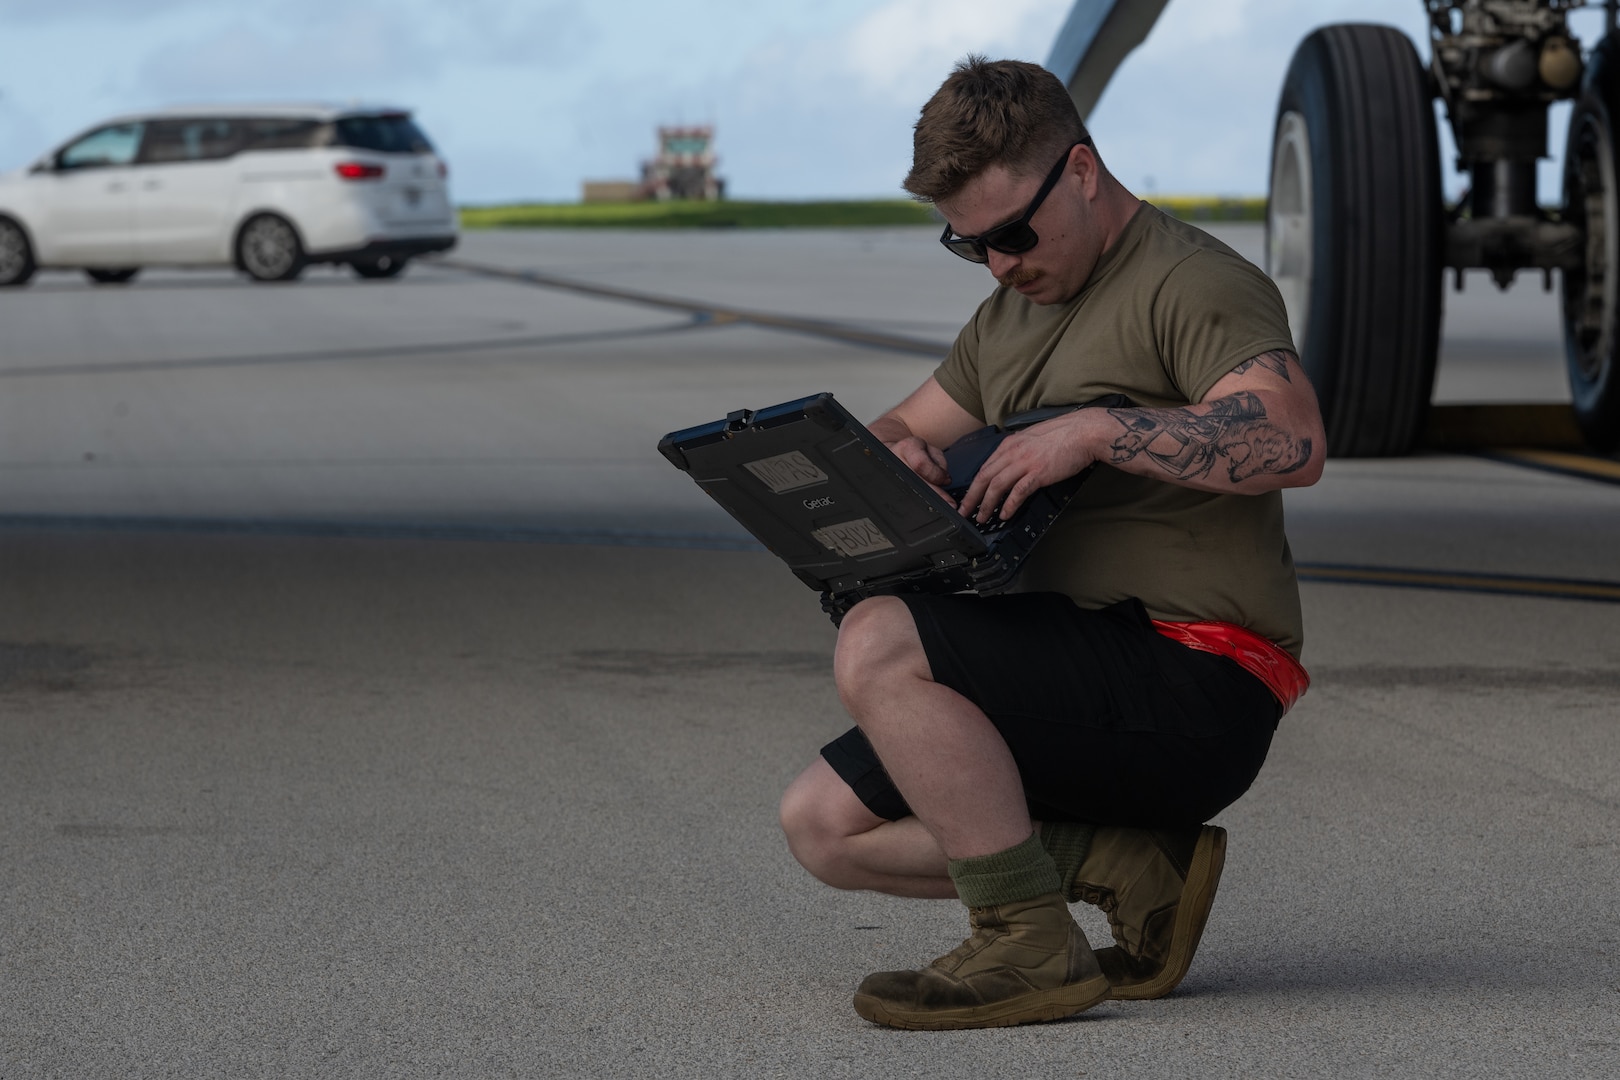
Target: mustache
<point x="1022" y="276"/>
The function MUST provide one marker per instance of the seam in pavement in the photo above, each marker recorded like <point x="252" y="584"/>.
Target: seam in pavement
<point x="359" y="530"/>
<point x="1522" y="585"/>
<point x="1558" y="588"/>
<point x="370" y="352"/>
<point x="714" y="314"/>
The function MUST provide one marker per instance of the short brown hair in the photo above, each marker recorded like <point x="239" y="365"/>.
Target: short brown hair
<point x="990" y="112"/>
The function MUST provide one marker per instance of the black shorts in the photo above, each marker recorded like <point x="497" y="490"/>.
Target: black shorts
<point x="1108" y="720"/>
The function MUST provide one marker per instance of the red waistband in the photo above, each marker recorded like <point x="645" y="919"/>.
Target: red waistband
<point x="1283" y="675"/>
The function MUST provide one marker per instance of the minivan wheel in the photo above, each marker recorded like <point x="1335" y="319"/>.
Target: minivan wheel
<point x="380" y="266"/>
<point x="112" y="277"/>
<point x="16" y="254"/>
<point x="268" y="249"/>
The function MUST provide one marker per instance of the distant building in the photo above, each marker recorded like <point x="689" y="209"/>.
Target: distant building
<point x="683" y="169"/>
<point x="598" y="191"/>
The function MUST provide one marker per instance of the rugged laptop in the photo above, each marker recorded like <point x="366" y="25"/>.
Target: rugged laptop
<point x="848" y="517"/>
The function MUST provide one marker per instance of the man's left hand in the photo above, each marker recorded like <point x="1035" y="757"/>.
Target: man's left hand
<point x="1027" y="461"/>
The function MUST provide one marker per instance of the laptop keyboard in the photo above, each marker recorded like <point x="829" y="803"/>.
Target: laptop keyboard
<point x="988" y="528"/>
<point x="994" y="525"/>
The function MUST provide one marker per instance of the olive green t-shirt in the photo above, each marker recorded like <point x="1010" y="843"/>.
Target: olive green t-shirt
<point x="1168" y="311"/>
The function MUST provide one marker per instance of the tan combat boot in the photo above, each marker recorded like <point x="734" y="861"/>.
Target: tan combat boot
<point x="1025" y="962"/>
<point x="1156" y="887"/>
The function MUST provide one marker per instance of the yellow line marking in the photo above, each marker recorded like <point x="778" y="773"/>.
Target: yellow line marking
<point x="1580" y="464"/>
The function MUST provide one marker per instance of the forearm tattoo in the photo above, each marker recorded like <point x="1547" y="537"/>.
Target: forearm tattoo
<point x="1275" y="361"/>
<point x="1186" y="444"/>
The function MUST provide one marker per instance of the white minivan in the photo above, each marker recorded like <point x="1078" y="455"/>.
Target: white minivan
<point x="267" y="189"/>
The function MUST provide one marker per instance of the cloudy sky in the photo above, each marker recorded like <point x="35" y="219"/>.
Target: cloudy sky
<point x="526" y="98"/>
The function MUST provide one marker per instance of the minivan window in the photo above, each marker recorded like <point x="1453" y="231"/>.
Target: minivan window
<point x="280" y="133"/>
<point x="392" y="133"/>
<point x="113" y="145"/>
<point x="190" y="139"/>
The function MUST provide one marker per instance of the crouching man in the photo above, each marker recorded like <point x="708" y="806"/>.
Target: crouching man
<point x="1067" y="742"/>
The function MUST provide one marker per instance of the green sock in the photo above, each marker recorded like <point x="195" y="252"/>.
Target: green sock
<point x="1068" y="842"/>
<point x="1019" y="873"/>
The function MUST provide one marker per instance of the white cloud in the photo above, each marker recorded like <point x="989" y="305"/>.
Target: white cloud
<point x="76" y="11"/>
<point x="501" y="32"/>
<point x="356" y="52"/>
<point x="1198" y="24"/>
<point x="907" y="44"/>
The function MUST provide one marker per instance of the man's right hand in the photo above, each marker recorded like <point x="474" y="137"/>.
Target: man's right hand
<point x="926" y="461"/>
<point x="916" y="428"/>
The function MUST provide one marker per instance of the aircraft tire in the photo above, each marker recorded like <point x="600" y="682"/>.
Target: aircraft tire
<point x="1355" y="233"/>
<point x="1591" y="306"/>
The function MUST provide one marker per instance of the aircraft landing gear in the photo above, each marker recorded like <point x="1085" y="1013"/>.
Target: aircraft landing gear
<point x="1357" y="238"/>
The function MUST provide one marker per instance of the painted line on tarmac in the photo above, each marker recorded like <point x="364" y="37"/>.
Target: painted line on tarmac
<point x="1580" y="466"/>
<point x="381" y="530"/>
<point x="1462" y="581"/>
<point x="1550" y="588"/>
<point x="712" y="314"/>
<point x="370" y="352"/>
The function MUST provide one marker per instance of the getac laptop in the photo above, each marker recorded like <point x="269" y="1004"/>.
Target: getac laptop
<point x="849" y="517"/>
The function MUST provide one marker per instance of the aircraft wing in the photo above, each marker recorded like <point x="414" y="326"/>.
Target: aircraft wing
<point x="1095" y="40"/>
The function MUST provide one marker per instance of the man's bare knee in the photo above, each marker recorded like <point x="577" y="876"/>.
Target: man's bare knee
<point x="819" y="814"/>
<point x="877" y="643"/>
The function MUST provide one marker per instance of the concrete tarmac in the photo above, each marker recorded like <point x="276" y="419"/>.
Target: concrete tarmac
<point x="375" y="702"/>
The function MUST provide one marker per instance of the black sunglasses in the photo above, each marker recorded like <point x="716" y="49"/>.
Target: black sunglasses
<point x="1015" y="237"/>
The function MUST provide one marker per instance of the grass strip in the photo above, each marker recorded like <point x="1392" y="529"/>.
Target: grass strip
<point x="1210" y="208"/>
<point x="724" y="214"/>
<point x="739" y="214"/>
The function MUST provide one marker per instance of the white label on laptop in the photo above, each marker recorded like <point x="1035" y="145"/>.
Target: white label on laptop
<point x="786" y="472"/>
<point x="852" y="538"/>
